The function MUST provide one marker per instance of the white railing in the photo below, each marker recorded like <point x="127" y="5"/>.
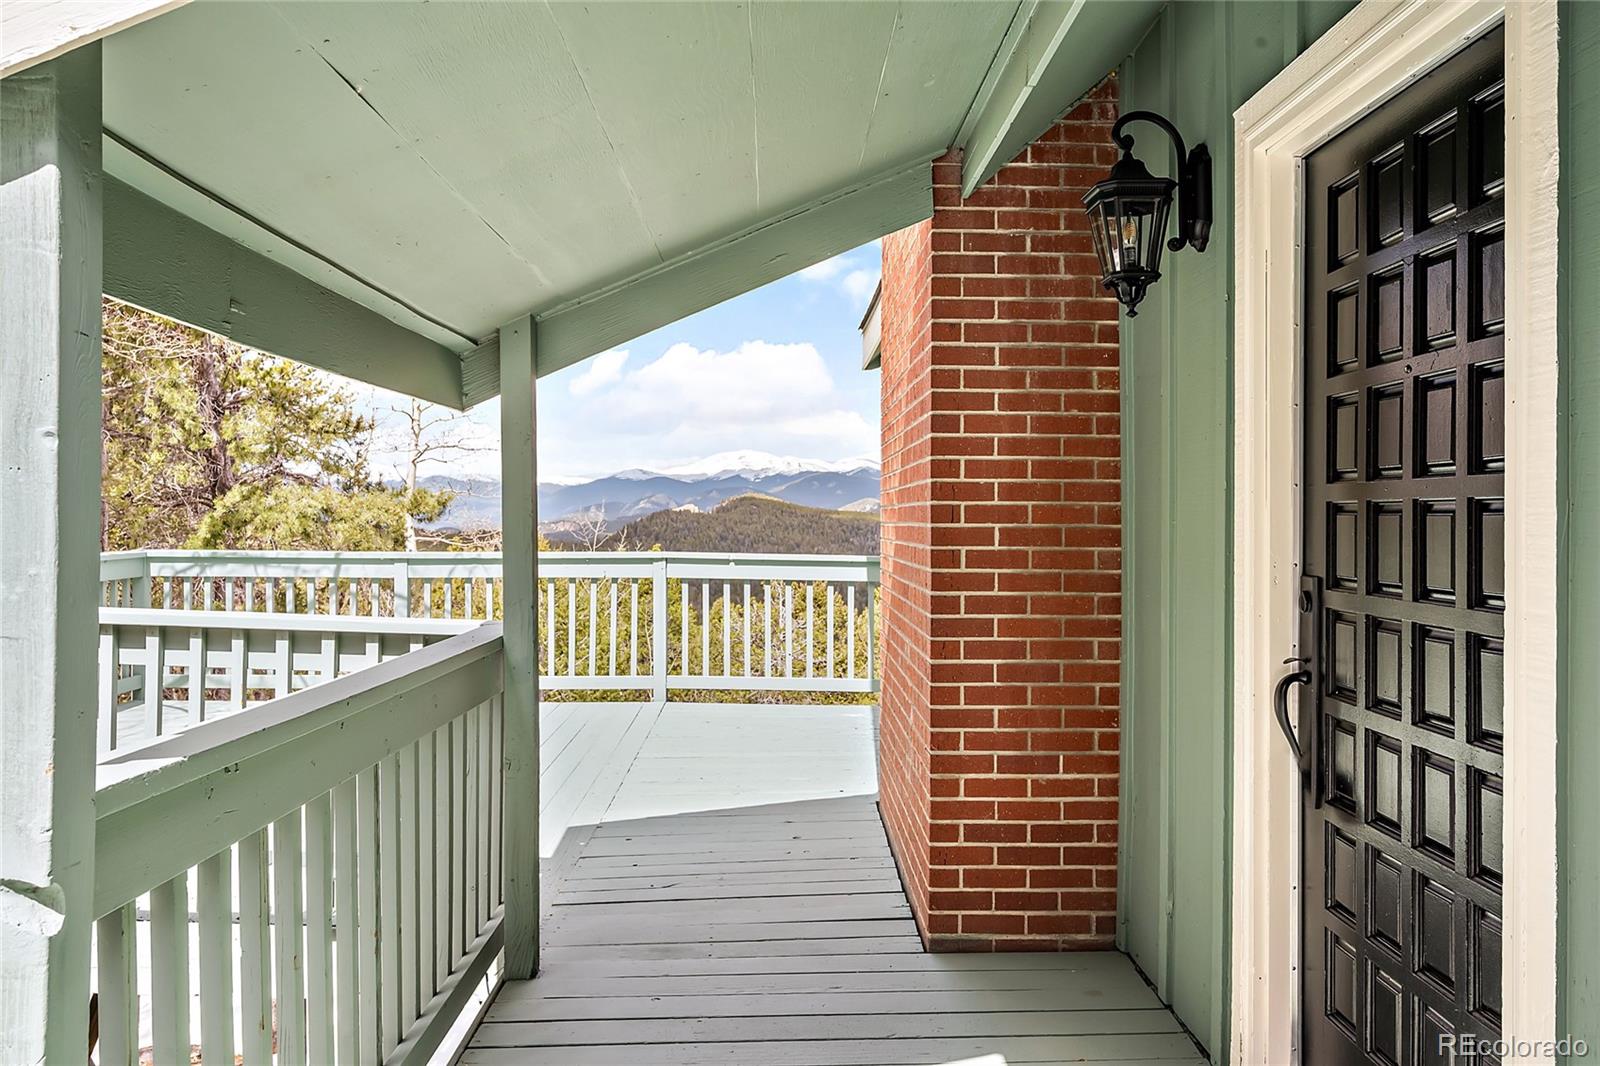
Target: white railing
<point x="707" y="622"/>
<point x="211" y="665"/>
<point x="269" y="623"/>
<point x="342" y="847"/>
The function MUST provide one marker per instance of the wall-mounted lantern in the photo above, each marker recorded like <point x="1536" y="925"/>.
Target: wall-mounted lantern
<point x="1128" y="212"/>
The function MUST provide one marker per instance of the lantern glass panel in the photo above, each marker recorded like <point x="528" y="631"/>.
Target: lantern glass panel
<point x="1128" y="226"/>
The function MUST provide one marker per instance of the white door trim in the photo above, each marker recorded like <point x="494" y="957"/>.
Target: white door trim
<point x="1377" y="50"/>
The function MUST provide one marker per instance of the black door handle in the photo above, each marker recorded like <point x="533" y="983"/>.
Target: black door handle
<point x="1280" y="709"/>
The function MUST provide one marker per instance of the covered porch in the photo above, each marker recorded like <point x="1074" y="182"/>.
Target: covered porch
<point x="735" y="901"/>
<point x="264" y="811"/>
<point x="322" y="760"/>
<point x="320" y="841"/>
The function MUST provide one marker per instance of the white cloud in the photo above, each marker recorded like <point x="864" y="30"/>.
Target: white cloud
<point x="604" y="369"/>
<point x="752" y="385"/>
<point x="853" y="273"/>
<point x="858" y="284"/>
<point x="825" y="270"/>
<point x="692" y="402"/>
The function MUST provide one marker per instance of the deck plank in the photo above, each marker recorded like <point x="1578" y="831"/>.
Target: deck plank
<point x="722" y="891"/>
<point x="843" y="1026"/>
<point x="908" y="1050"/>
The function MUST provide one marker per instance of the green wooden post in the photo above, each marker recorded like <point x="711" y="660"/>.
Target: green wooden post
<point x="50" y="258"/>
<point x="139" y="587"/>
<point x="520" y="598"/>
<point x="658" y="631"/>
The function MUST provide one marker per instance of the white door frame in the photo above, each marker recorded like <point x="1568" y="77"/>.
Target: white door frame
<point x="1377" y="50"/>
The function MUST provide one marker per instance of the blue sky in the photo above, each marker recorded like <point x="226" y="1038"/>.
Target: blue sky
<point x="775" y="370"/>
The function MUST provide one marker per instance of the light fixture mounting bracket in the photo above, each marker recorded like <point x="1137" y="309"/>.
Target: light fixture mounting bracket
<point x="1194" y="180"/>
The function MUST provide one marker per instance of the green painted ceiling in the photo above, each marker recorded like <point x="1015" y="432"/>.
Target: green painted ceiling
<point x="451" y="166"/>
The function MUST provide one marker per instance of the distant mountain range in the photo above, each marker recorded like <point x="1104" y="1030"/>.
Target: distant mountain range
<point x="578" y="509"/>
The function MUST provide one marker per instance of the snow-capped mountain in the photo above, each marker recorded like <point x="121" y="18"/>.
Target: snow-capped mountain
<point x="747" y="463"/>
<point x="754" y="464"/>
<point x="701" y="484"/>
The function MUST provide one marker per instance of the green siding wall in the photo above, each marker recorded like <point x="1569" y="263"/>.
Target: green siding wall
<point x="1198" y="63"/>
<point x="1578" y="736"/>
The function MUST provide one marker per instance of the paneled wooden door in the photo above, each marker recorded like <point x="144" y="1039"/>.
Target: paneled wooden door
<point x="1404" y="525"/>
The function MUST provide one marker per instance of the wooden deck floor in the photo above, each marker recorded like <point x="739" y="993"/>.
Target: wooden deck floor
<point x="733" y="900"/>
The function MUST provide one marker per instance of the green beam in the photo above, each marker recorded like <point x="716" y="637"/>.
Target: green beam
<point x="1055" y="51"/>
<point x="719" y="271"/>
<point x="520" y="599"/>
<point x="164" y="261"/>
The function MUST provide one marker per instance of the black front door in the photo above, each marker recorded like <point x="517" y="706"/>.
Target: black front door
<point x="1404" y="526"/>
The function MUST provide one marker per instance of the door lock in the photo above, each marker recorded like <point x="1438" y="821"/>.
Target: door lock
<point x="1305" y="738"/>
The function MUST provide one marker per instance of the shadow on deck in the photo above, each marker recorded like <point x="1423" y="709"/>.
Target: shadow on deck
<point x="721" y="891"/>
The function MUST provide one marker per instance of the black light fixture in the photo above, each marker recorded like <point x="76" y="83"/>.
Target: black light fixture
<point x="1128" y="212"/>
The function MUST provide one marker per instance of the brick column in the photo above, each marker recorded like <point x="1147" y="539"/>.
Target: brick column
<point x="1002" y="554"/>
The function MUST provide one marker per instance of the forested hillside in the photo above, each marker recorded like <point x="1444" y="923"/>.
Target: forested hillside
<point x="754" y="524"/>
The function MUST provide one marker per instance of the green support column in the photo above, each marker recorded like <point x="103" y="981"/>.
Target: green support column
<point x="521" y="604"/>
<point x="50" y="260"/>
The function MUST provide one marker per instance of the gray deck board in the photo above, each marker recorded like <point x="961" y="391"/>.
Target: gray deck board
<point x="851" y="1026"/>
<point x="721" y="891"/>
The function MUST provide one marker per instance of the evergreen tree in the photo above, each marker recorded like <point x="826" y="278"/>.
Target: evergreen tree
<point x="210" y="445"/>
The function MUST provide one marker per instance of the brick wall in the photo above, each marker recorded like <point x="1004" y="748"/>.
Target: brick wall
<point x="906" y="580"/>
<point x="1002" y="554"/>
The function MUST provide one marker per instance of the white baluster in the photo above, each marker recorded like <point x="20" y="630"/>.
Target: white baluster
<point x="390" y="1022"/>
<point x="319" y="902"/>
<point x="549" y="589"/>
<point x="788" y="629"/>
<point x="633" y="628"/>
<point x="872" y="629"/>
<point x="214" y="911"/>
<point x="428" y="977"/>
<point x="811" y="645"/>
<point x="611" y="656"/>
<point x="255" y="956"/>
<point x="169" y="969"/>
<point x="594" y="629"/>
<point x="458" y="848"/>
<point x="444" y="839"/>
<point x="850" y="631"/>
<point x="116" y="951"/>
<point x="496" y="799"/>
<point x="346" y="986"/>
<point x="827" y="591"/>
<point x="288" y="928"/>
<point x="368" y="926"/>
<point x="110" y="667"/>
<point x="411" y="1000"/>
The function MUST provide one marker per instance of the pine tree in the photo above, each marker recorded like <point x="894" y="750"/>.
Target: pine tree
<point x="210" y="445"/>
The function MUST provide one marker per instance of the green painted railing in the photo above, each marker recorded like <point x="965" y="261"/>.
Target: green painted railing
<point x="226" y="630"/>
<point x="342" y="840"/>
<point x="341" y="845"/>
<point x="212" y="663"/>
